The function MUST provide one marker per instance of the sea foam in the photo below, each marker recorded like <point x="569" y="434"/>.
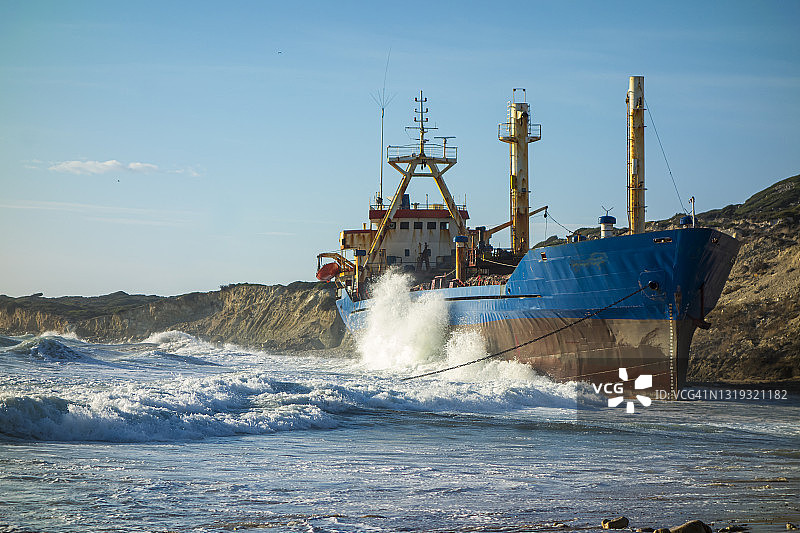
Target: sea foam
<point x="408" y="331"/>
<point x="403" y="330"/>
<point x="247" y="402"/>
<point x="190" y="408"/>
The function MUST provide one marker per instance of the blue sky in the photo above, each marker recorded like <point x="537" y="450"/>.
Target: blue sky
<point x="167" y="147"/>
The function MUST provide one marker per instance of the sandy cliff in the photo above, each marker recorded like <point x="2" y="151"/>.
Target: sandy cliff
<point x="755" y="333"/>
<point x="297" y="316"/>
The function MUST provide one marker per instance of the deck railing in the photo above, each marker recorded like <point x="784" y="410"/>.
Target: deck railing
<point x="504" y="131"/>
<point x="412" y="150"/>
<point x="417" y="205"/>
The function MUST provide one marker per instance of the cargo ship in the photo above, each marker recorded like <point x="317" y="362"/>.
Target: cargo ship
<point x="581" y="310"/>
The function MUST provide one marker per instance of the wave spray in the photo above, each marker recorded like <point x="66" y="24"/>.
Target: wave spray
<point x="403" y="329"/>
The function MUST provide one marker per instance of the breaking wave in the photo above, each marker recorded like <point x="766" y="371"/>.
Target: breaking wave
<point x="175" y="387"/>
<point x="403" y="329"/>
<point x="180" y="410"/>
<point x="49" y="349"/>
<point x="8" y="341"/>
<point x="241" y="404"/>
<point x="408" y="332"/>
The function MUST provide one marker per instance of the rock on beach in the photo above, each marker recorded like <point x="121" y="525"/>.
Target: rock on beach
<point x="615" y="523"/>
<point x="693" y="526"/>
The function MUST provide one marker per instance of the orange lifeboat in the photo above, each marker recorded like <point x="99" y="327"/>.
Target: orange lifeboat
<point x="328" y="272"/>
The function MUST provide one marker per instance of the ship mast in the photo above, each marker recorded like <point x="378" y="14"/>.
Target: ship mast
<point x="413" y="161"/>
<point x="518" y="132"/>
<point x="635" y="101"/>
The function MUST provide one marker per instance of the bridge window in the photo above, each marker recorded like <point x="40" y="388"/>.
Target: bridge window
<point x="404" y="225"/>
<point x="417" y="225"/>
<point x="444" y="225"/>
<point x="431" y="225"/>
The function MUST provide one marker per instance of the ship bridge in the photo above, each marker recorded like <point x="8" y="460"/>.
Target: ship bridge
<point x="412" y="235"/>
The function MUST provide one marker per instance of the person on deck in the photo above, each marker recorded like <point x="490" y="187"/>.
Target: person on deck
<point x="426" y="257"/>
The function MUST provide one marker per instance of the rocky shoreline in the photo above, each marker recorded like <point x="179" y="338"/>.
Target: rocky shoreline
<point x="754" y="338"/>
<point x="692" y="526"/>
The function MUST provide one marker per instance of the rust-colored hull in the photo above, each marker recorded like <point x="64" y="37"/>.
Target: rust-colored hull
<point x="595" y="350"/>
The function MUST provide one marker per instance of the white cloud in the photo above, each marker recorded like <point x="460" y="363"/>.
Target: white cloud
<point x="112" y="165"/>
<point x="33" y="164"/>
<point x="101" y="167"/>
<point x="142" y="167"/>
<point x="87" y="167"/>
<point x="188" y="171"/>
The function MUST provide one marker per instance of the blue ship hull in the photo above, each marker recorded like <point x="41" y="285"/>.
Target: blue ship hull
<point x="552" y="287"/>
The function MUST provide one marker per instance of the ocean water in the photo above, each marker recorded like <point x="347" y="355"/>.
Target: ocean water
<point x="177" y="435"/>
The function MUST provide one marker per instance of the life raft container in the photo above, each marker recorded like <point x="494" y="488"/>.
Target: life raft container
<point x="328" y="272"/>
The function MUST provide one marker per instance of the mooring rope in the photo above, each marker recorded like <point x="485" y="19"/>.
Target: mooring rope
<point x="652" y="285"/>
<point x="560" y="224"/>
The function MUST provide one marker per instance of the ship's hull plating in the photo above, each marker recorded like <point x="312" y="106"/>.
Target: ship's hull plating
<point x="595" y="349"/>
<point x="553" y="287"/>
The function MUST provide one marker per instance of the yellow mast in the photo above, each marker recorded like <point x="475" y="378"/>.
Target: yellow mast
<point x="636" y="206"/>
<point x="518" y="132"/>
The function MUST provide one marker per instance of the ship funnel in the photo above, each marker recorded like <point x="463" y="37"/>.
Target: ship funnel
<point x="635" y="101"/>
<point x="518" y="131"/>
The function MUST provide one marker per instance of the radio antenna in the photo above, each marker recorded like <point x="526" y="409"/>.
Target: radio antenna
<point x="381" y="99"/>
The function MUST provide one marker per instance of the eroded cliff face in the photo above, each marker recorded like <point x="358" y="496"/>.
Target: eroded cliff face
<point x="15" y="321"/>
<point x="755" y="332"/>
<point x="298" y="316"/>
